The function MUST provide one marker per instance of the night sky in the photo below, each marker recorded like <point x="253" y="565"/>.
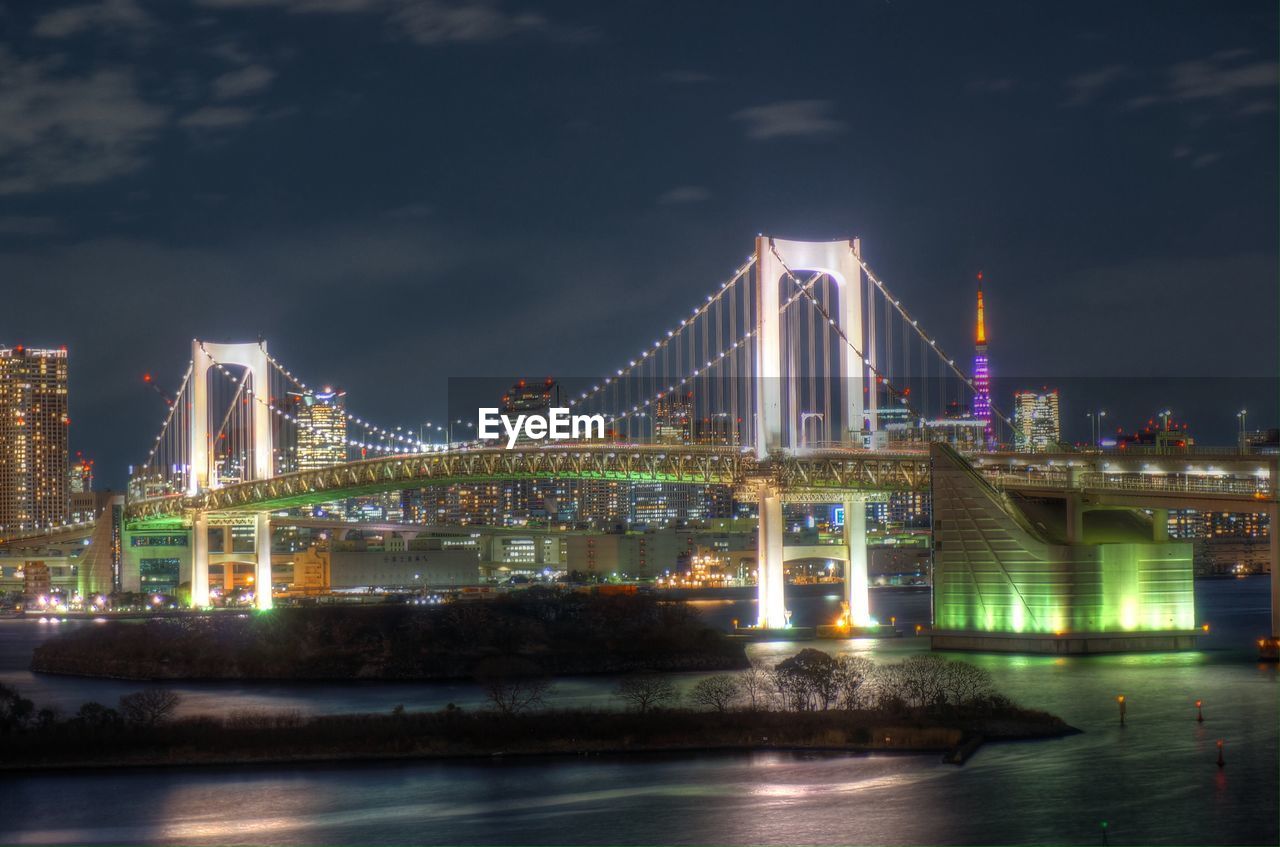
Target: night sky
<point x="395" y="192"/>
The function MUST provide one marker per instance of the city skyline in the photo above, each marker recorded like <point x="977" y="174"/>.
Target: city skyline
<point x="845" y="422"/>
<point x="459" y="240"/>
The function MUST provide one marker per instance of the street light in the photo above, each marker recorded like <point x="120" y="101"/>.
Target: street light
<point x="1095" y="425"/>
<point x="1241" y="415"/>
<point x="459" y="422"/>
<point x="1164" y="417"/>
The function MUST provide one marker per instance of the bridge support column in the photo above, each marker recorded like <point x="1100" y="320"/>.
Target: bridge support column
<point x="1075" y="519"/>
<point x="771" y="571"/>
<point x="856" y="593"/>
<point x="1159" y="524"/>
<point x="262" y="579"/>
<point x="200" y="560"/>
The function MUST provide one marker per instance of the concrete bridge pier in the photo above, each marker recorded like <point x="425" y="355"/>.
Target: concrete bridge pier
<point x="200" y="560"/>
<point x="262" y="578"/>
<point x="857" y="594"/>
<point x="771" y="570"/>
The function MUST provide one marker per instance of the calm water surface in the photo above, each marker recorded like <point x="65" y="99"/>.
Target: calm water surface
<point x="1154" y="781"/>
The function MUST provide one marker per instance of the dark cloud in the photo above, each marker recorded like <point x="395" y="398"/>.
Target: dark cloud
<point x="790" y="119"/>
<point x="60" y="128"/>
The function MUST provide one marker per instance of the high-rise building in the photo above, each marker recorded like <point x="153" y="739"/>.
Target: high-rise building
<point x="1036" y="423"/>
<point x="981" y="374"/>
<point x="33" y="437"/>
<point x="672" y="418"/>
<point x="531" y="398"/>
<point x="80" y="475"/>
<point x="322" y="429"/>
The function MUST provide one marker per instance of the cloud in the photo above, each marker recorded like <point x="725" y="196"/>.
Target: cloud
<point x="683" y="194"/>
<point x="27" y="225"/>
<point x="238" y="83"/>
<point x="1086" y="87"/>
<point x="108" y="15"/>
<point x="58" y="129"/>
<point x="216" y="117"/>
<point x="1220" y="77"/>
<point x="430" y="22"/>
<point x="790" y="119"/>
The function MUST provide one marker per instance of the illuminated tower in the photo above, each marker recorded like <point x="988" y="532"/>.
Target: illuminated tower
<point x="981" y="375"/>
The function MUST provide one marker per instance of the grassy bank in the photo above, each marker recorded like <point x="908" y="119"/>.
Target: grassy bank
<point x="453" y="733"/>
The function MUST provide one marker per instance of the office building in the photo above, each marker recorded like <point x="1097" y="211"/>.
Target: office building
<point x="1036" y="422"/>
<point x="322" y="429"/>
<point x="672" y="419"/>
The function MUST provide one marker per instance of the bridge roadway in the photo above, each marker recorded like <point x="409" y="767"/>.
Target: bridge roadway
<point x="1207" y="481"/>
<point x="826" y="474"/>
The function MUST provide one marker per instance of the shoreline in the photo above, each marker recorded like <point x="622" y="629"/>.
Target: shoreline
<point x="956" y="754"/>
<point x="455" y="734"/>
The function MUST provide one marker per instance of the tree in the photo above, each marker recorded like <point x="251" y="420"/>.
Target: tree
<point x="646" y="692"/>
<point x="807" y="680"/>
<point x="97" y="717"/>
<point x="716" y="692"/>
<point x="16" y="711"/>
<point x="852" y="676"/>
<point x="149" y="707"/>
<point x="922" y="680"/>
<point x="512" y="684"/>
<point x="754" y="682"/>
<point x="963" y="683"/>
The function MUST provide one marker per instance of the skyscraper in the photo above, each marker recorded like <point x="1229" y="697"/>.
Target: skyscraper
<point x="322" y="429"/>
<point x="33" y="437"/>
<point x="981" y="375"/>
<point x="672" y="416"/>
<point x="1037" y="426"/>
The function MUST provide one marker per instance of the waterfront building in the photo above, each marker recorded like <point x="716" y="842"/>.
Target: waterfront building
<point x="34" y="487"/>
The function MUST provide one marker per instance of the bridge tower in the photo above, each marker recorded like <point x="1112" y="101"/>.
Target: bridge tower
<point x="253" y="357"/>
<point x="839" y="260"/>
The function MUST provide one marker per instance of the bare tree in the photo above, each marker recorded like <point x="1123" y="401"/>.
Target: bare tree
<point x="150" y="706"/>
<point x="853" y="674"/>
<point x="716" y="692"/>
<point x="922" y="680"/>
<point x="646" y="693"/>
<point x="964" y="682"/>
<point x="754" y="682"/>
<point x="513" y="684"/>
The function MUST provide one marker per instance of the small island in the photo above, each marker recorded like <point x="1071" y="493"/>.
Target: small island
<point x="812" y="701"/>
<point x="561" y="632"/>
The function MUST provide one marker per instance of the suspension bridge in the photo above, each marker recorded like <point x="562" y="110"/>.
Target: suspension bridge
<point x="800" y="378"/>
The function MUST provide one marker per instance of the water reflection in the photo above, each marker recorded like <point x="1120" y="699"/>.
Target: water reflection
<point x="1155" y="781"/>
